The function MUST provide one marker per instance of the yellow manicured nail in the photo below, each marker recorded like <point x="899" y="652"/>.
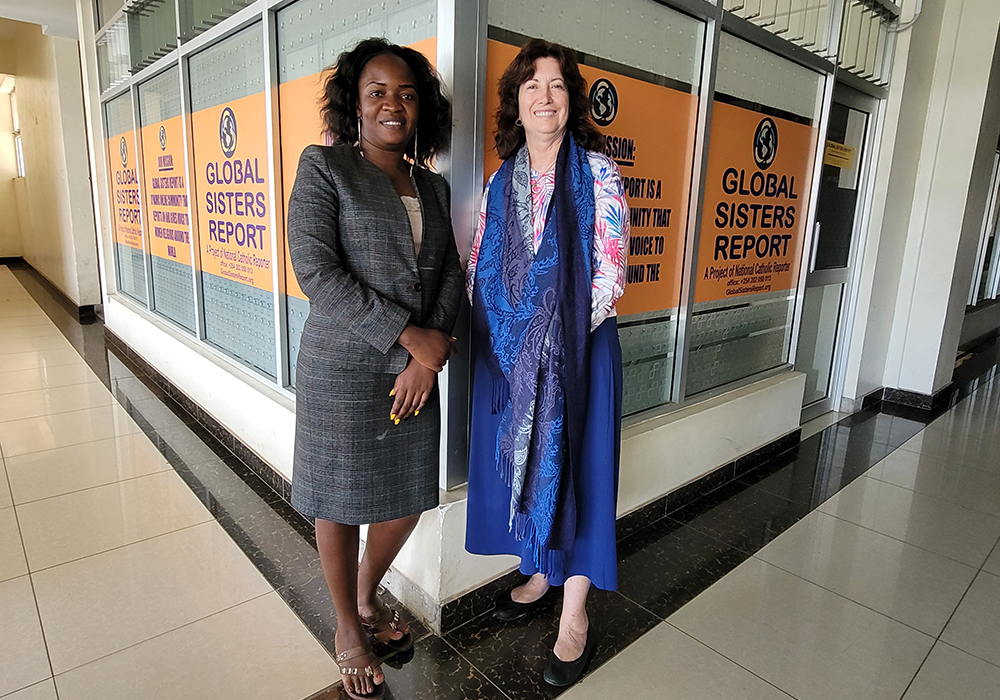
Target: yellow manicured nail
<point x="392" y="416"/>
<point x="397" y="421"/>
<point x="392" y="393"/>
<point x="416" y="413"/>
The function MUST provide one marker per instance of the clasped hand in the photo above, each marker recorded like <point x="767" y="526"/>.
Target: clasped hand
<point x="429" y="351"/>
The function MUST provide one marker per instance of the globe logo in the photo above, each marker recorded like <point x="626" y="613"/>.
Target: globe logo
<point x="227" y="132"/>
<point x="765" y="143"/>
<point x="163" y="138"/>
<point x="603" y="102"/>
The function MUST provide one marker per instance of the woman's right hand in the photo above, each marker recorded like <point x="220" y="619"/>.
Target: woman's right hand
<point x="429" y="347"/>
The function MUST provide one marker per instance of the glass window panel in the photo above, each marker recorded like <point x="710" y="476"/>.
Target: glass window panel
<point x="113" y="61"/>
<point x="836" y="208"/>
<point x="653" y="69"/>
<point x="760" y="162"/>
<point x="229" y="147"/>
<point x="152" y="26"/>
<point x="106" y="9"/>
<point x="199" y="15"/>
<point x="126" y="211"/>
<point x="820" y="313"/>
<point x="311" y="34"/>
<point x="166" y="197"/>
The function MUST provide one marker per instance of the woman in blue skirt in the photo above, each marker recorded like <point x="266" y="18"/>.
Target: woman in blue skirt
<point x="547" y="266"/>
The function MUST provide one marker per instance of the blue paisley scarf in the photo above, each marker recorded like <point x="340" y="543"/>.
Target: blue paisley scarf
<point x="531" y="323"/>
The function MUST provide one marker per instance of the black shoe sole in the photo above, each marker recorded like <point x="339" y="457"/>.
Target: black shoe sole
<point x="508" y="610"/>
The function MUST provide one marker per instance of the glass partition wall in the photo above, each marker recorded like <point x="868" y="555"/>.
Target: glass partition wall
<point x="715" y="132"/>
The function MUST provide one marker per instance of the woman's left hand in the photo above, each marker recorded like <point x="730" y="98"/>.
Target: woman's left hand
<point x="412" y="390"/>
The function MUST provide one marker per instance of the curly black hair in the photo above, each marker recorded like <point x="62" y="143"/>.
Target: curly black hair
<point x="508" y="135"/>
<point x="338" y="105"/>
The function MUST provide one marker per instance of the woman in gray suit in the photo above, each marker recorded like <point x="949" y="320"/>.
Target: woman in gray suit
<point x="370" y="238"/>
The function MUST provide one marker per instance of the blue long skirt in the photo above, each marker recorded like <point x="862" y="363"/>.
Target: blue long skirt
<point x="594" y="553"/>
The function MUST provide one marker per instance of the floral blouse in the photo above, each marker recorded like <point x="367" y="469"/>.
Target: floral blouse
<point x="611" y="232"/>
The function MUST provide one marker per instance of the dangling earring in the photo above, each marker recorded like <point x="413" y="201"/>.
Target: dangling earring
<point x="358" y="143"/>
<point x="415" y="151"/>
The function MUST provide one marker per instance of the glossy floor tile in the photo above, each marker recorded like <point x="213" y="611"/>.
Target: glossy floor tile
<point x="964" y="448"/>
<point x="131" y="594"/>
<point x="908" y="584"/>
<point x="666" y="663"/>
<point x="809" y="642"/>
<point x="42" y="402"/>
<point x="975" y="627"/>
<point x="61" y="429"/>
<point x="10" y="345"/>
<point x="961" y="484"/>
<point x="951" y="673"/>
<point x="46" y="690"/>
<point x="39" y="360"/>
<point x="22" y="646"/>
<point x="76" y="525"/>
<point x="222" y="656"/>
<point x="924" y="521"/>
<point x="12" y="561"/>
<point x="45" y="377"/>
<point x="37" y="475"/>
<point x="992" y="564"/>
<point x="6" y="500"/>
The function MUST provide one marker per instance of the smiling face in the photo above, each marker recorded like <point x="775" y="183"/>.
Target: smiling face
<point x="543" y="101"/>
<point x="388" y="104"/>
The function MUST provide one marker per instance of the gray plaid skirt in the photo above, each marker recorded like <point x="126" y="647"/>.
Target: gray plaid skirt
<point x="353" y="465"/>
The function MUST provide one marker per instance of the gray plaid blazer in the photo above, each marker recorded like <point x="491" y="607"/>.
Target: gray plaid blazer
<point x="352" y="251"/>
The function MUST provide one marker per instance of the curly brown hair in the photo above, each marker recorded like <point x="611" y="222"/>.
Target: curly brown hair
<point x="338" y="105"/>
<point x="508" y="135"/>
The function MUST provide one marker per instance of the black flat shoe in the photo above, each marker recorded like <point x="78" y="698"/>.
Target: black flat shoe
<point x="562" y="673"/>
<point x="507" y="610"/>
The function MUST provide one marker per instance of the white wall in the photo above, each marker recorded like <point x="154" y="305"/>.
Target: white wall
<point x="55" y="206"/>
<point x="927" y="191"/>
<point x="10" y="227"/>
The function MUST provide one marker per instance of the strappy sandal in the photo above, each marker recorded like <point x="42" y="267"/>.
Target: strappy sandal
<point x="383" y="625"/>
<point x="350" y="662"/>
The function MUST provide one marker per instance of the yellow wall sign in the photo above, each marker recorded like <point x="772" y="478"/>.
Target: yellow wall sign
<point x="230" y="154"/>
<point x="756" y="203"/>
<point x="839" y="155"/>
<point x="125" y="207"/>
<point x="655" y="164"/>
<point x="165" y="182"/>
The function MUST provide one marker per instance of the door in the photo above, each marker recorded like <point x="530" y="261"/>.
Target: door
<point x="828" y="283"/>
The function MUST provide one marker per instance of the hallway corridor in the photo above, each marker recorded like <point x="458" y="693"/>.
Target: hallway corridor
<point x="140" y="558"/>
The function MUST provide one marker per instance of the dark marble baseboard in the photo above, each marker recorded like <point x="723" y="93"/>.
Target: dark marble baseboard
<point x="232" y="443"/>
<point x="914" y="399"/>
<point x="872" y="399"/>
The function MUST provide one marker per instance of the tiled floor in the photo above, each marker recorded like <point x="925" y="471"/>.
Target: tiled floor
<point x="115" y="580"/>
<point x="140" y="559"/>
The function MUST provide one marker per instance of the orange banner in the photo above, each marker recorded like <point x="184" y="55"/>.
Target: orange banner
<point x="756" y="204"/>
<point x="230" y="155"/>
<point x="125" y="207"/>
<point x="655" y="164"/>
<point x="165" y="183"/>
<point x="302" y="125"/>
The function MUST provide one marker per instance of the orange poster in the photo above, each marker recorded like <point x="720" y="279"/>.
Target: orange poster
<point x="302" y="125"/>
<point x="655" y="162"/>
<point x="230" y="154"/>
<point x="166" y="197"/>
<point x="125" y="207"/>
<point x="756" y="204"/>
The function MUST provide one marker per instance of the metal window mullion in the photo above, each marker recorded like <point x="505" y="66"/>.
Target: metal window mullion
<point x="277" y="218"/>
<point x="811" y="240"/>
<point x="831" y="46"/>
<point x="184" y="75"/>
<point x="696" y="203"/>
<point x="462" y="42"/>
<point x="147" y="264"/>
